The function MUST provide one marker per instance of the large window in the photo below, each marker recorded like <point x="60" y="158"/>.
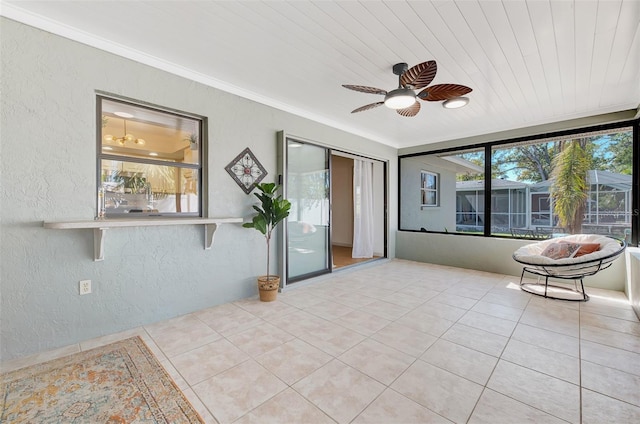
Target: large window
<point x="570" y="183"/>
<point x="149" y="161"/>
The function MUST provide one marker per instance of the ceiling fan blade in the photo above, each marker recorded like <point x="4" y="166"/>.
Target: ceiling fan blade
<point x="410" y="111"/>
<point x="439" y="92"/>
<point x="421" y="75"/>
<point x="367" y="107"/>
<point x="365" y="89"/>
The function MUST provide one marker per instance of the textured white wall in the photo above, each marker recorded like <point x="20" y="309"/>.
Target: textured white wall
<point x="378" y="208"/>
<point x="48" y="172"/>
<point x="632" y="288"/>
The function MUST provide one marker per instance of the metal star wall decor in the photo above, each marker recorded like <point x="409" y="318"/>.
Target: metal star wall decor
<point x="246" y="170"/>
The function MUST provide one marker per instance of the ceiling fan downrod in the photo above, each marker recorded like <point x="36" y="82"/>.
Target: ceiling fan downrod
<point x="399" y="69"/>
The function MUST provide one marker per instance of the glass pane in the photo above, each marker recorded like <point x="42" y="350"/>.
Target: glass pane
<point x="308" y="221"/>
<point x="453" y="182"/>
<point x="148" y="189"/>
<point x="573" y="185"/>
<point x="429" y="198"/>
<point x="428" y="181"/>
<point x="135" y="131"/>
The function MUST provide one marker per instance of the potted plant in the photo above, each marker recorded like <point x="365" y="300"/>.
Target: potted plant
<point x="193" y="141"/>
<point x="271" y="211"/>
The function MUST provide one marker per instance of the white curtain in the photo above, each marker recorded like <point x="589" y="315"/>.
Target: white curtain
<point x="362" y="209"/>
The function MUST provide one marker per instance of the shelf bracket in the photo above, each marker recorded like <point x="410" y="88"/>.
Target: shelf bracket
<point x="209" y="231"/>
<point x="98" y="244"/>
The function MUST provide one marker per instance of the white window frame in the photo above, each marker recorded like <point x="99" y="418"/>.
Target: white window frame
<point x="424" y="175"/>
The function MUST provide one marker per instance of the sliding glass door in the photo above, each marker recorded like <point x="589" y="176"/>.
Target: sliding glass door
<point x="307" y="186"/>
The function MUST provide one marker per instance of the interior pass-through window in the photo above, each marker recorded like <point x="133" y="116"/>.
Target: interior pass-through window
<point x="149" y="161"/>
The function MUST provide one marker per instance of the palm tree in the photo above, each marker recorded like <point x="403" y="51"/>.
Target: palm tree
<point x="569" y="189"/>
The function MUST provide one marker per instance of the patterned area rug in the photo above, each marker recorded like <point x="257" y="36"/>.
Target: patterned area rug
<point x="118" y="383"/>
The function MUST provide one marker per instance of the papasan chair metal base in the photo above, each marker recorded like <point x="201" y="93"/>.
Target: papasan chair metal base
<point x="545" y="289"/>
<point x="575" y="269"/>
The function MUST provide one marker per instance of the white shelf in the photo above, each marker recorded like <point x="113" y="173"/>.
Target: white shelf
<point x="101" y="226"/>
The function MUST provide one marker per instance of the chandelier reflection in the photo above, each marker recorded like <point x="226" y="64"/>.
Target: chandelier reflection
<point x="126" y="137"/>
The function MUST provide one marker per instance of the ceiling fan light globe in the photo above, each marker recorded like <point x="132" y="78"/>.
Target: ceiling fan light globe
<point x="455" y="102"/>
<point x="400" y="98"/>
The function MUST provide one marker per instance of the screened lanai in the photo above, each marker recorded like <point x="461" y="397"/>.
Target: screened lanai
<point x="608" y="208"/>
<point x="517" y="205"/>
<point x="508" y="205"/>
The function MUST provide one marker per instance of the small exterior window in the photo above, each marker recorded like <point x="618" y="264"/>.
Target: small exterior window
<point x="149" y="161"/>
<point x="429" y="182"/>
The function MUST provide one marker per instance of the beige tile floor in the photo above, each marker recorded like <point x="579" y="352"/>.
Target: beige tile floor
<point x="403" y="342"/>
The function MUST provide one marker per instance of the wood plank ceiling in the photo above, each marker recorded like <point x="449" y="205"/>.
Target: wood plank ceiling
<point x="528" y="62"/>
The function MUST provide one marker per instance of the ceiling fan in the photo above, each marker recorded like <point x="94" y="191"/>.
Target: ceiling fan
<point x="404" y="99"/>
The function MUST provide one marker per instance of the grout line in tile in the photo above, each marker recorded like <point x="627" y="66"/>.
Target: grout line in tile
<point x="610" y="397"/>
<point x="396" y="289"/>
<point x="523" y="403"/>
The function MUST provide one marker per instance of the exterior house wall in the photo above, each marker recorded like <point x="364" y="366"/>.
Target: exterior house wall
<point x="48" y="173"/>
<point x="415" y="217"/>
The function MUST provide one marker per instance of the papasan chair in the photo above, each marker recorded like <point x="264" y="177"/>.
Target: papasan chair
<point x="571" y="257"/>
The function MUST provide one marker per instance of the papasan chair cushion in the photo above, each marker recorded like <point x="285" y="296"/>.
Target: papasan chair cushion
<point x="570" y="257"/>
<point x="532" y="255"/>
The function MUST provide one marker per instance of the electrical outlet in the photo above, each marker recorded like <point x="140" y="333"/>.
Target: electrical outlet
<point x="85" y="287"/>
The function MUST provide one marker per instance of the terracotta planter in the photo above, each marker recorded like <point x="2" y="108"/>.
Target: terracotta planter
<point x="268" y="287"/>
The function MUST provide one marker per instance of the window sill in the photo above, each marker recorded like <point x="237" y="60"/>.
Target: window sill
<point x="100" y="226"/>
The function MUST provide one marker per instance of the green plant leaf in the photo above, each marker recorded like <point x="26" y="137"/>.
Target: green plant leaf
<point x="260" y="224"/>
<point x="270" y="212"/>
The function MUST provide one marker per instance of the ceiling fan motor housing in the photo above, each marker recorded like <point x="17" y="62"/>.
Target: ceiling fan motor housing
<point x="400" y="68"/>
